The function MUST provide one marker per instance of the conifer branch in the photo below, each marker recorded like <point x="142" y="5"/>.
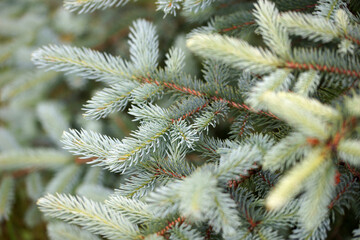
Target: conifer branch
<point x="324" y="61"/>
<point x="177" y="222"/>
<point x="293" y="182"/>
<point x="135" y="149"/>
<point x="340" y="193"/>
<point x="84" y="6"/>
<point x="33" y="158"/>
<point x="144" y="46"/>
<point x="307" y="83"/>
<point x="237" y="161"/>
<point x="309" y="26"/>
<point x="197" y="93"/>
<point x="184" y="231"/>
<point x="135" y="210"/>
<point x="314" y="203"/>
<point x="7" y="188"/>
<point x="88" y="144"/>
<point x="327" y="8"/>
<point x="93" y="216"/>
<point x="226" y="192"/>
<point x="271" y="28"/>
<point x="235" y="52"/>
<point x="349" y="151"/>
<point x="84" y="62"/>
<point x="109" y="100"/>
<point x="297" y="114"/>
<point x="64" y="180"/>
<point x="61" y="231"/>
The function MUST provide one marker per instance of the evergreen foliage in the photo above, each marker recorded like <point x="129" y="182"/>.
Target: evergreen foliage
<point x="281" y="77"/>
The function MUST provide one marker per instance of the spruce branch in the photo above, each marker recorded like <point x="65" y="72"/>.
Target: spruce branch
<point x="210" y="116"/>
<point x="312" y="27"/>
<point x="243" y="20"/>
<point x="64" y="180"/>
<point x="175" y="60"/>
<point x="7" y="188"/>
<point x="278" y="80"/>
<point x="293" y="181"/>
<point x="325" y="61"/>
<point x="134" y="210"/>
<point x="150" y="112"/>
<point x="177" y="222"/>
<point x="197" y="193"/>
<point x="33" y="158"/>
<point x="61" y="231"/>
<point x="327" y="8"/>
<point x="182" y="133"/>
<point x="169" y="6"/>
<point x="89" y="144"/>
<point x="297" y="114"/>
<point x="307" y="83"/>
<point x="52" y="120"/>
<point x="196" y="5"/>
<point x="285" y="153"/>
<point x="160" y="81"/>
<point x="314" y="203"/>
<point x="271" y="28"/>
<point x="95" y="192"/>
<point x="165" y="199"/>
<point x="20" y="86"/>
<point x="92" y="216"/>
<point x="7" y="140"/>
<point x="351" y="105"/>
<point x="187" y="108"/>
<point x="235" y="52"/>
<point x="237" y="162"/>
<point x="346" y="187"/>
<point x="225" y="196"/>
<point x="84" y="62"/>
<point x="144" y="46"/>
<point x="185" y="232"/>
<point x="34" y="185"/>
<point x="349" y="151"/>
<point x="141" y="184"/>
<point x="320" y="232"/>
<point x="138" y="147"/>
<point x="146" y="92"/>
<point x="109" y="100"/>
<point x="84" y="6"/>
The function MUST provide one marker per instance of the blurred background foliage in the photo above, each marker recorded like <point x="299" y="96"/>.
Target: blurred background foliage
<point x="37" y="106"/>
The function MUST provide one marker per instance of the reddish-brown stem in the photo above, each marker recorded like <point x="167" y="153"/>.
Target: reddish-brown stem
<point x="354" y="40"/>
<point x="323" y="68"/>
<point x="237" y="182"/>
<point x="346" y="187"/>
<point x="190" y="113"/>
<point x="161" y="171"/>
<point x="353" y="171"/>
<point x="265" y="179"/>
<point x="201" y="94"/>
<point x="237" y="26"/>
<point x="208" y="233"/>
<point x="179" y="220"/>
<point x="253" y="224"/>
<point x="243" y="125"/>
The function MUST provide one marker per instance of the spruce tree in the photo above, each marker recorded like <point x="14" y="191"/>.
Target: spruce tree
<point x="280" y="77"/>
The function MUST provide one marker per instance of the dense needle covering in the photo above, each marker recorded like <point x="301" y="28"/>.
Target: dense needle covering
<point x="281" y="77"/>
